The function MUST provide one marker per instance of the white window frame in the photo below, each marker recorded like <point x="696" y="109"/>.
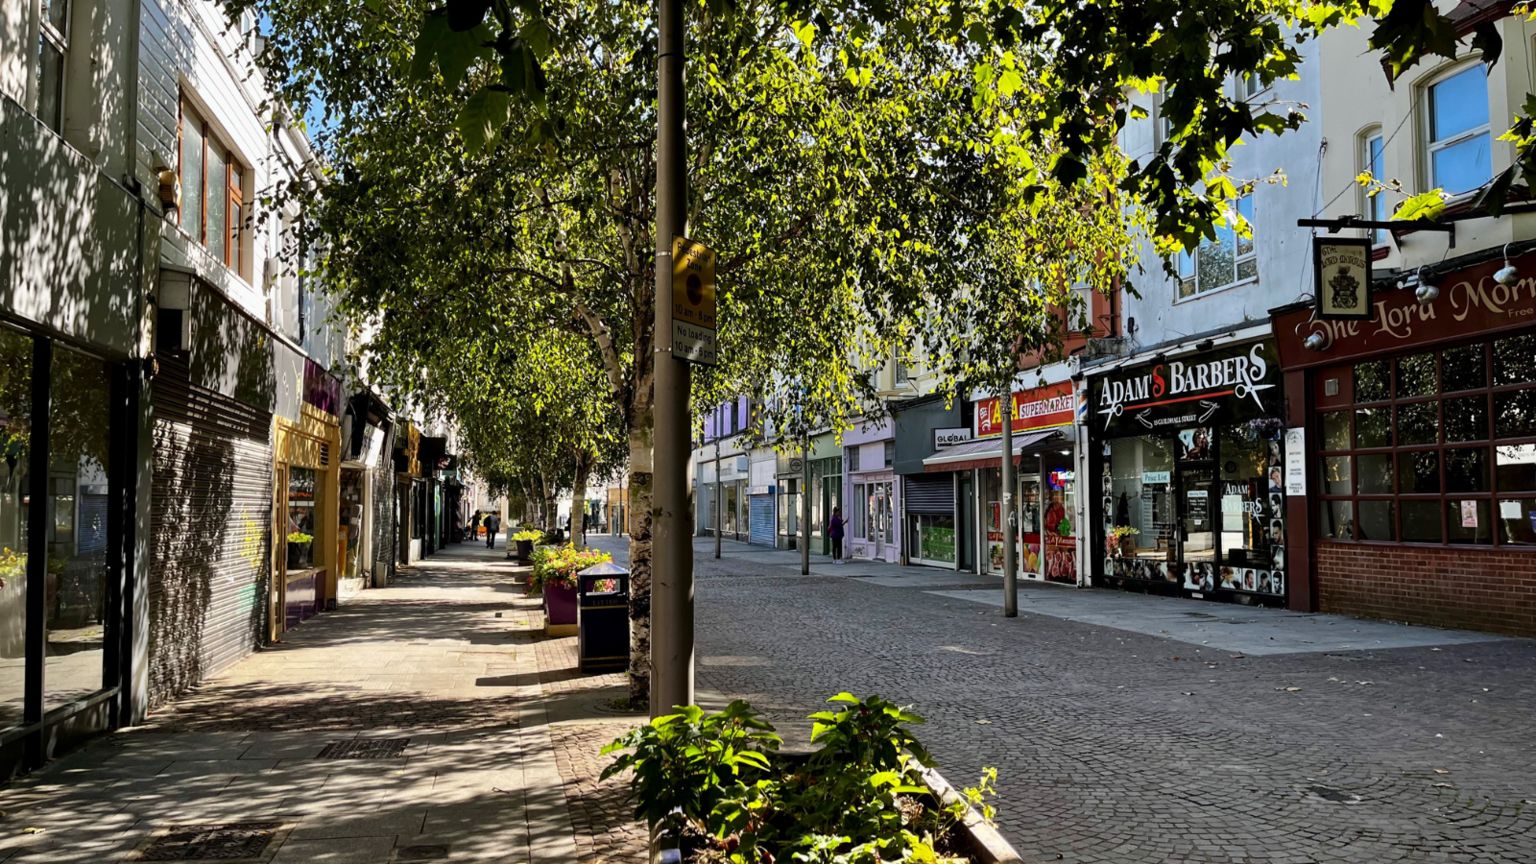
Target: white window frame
<point x="1431" y="146"/>
<point x="1186" y="264"/>
<point x="59" y="40"/>
<point x="1373" y="207"/>
<point x="1246" y="87"/>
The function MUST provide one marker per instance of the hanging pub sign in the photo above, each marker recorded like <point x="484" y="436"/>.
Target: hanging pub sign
<point x="1225" y="385"/>
<point x="1343" y="268"/>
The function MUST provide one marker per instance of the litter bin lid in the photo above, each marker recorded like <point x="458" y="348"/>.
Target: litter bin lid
<point x="607" y="568"/>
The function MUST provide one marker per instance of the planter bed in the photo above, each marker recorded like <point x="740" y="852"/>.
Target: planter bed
<point x="717" y="788"/>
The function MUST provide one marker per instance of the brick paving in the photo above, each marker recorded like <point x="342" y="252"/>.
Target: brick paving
<point x="500" y="737"/>
<point x="1116" y="746"/>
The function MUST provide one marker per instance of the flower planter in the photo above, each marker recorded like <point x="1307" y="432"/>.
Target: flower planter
<point x="300" y="555"/>
<point x="973" y="837"/>
<point x="559" y="610"/>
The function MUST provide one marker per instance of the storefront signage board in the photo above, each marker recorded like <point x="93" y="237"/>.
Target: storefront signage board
<point x="1224" y="385"/>
<point x="949" y="437"/>
<point x="1040" y="408"/>
<point x="1295" y="461"/>
<point x="1471" y="303"/>
<point x="1343" y="269"/>
<point x="693" y="301"/>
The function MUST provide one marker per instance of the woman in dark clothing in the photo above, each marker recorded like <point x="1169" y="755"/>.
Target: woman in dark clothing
<point x="835" y="534"/>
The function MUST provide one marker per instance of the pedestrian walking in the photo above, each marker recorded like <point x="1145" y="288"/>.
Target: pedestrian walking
<point x="492" y="525"/>
<point x="835" y="534"/>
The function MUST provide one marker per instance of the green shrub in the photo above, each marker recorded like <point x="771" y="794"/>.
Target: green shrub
<point x="558" y="565"/>
<point x="719" y="782"/>
<point x="528" y="535"/>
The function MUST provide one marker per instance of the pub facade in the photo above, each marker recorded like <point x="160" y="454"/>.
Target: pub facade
<point x="1419" y="433"/>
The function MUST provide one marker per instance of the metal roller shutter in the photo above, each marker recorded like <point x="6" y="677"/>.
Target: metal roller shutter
<point x="930" y="494"/>
<point x="210" y="531"/>
<point x="760" y="518"/>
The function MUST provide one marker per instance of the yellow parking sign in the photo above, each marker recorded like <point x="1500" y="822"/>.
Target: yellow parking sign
<point x="693" y="301"/>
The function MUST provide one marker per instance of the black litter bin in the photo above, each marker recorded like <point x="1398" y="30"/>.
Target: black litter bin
<point x="602" y="618"/>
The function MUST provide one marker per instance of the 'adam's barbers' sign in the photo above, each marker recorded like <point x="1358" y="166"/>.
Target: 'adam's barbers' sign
<point x="1223" y="385"/>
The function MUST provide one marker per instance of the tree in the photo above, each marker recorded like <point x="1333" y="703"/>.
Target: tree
<point x="869" y="190"/>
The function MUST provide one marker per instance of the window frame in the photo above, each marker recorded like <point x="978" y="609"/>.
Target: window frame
<point x="1373" y="207"/>
<point x="1429" y="144"/>
<point x="1188" y="287"/>
<point x="1349" y="406"/>
<point x="50" y="36"/>
<point x="232" y="186"/>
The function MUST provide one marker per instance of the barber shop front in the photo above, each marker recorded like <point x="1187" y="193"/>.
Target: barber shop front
<point x="1190" y="473"/>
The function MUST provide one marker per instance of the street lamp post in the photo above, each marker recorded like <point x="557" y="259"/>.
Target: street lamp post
<point x="672" y="548"/>
<point x="1010" y="558"/>
<point x="805" y="508"/>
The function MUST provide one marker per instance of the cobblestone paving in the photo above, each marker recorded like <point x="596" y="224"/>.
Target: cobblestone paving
<point x="1119" y="747"/>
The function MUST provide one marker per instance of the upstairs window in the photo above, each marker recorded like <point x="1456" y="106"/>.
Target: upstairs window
<point x="1372" y="159"/>
<point x="1226" y="260"/>
<point x="213" y="207"/>
<point x="1459" y="156"/>
<point x="52" y="54"/>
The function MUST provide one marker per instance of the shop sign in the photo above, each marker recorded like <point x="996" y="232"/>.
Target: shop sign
<point x="949" y="437"/>
<point x="1221" y="386"/>
<point x="1040" y="408"/>
<point x="693" y="301"/>
<point x="321" y="388"/>
<point x="1343" y="268"/>
<point x="1471" y="303"/>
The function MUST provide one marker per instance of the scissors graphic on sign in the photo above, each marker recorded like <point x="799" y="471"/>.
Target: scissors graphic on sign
<point x="1243" y="391"/>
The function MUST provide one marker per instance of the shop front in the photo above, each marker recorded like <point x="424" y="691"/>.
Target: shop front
<point x="1190" y="467"/>
<point x="1046" y="506"/>
<point x="933" y="508"/>
<point x="66" y="484"/>
<point x="1418" y="427"/>
<point x="870" y="488"/>
<point x="761" y="499"/>
<point x="410" y="494"/>
<point x="306" y="504"/>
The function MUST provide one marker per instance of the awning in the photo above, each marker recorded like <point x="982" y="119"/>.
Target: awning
<point x="985" y="454"/>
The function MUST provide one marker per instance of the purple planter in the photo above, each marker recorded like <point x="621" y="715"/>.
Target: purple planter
<point x="559" y="604"/>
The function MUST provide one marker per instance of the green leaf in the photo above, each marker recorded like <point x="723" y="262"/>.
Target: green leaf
<point x="1425" y="206"/>
<point x="434" y="28"/>
<point x="484" y="113"/>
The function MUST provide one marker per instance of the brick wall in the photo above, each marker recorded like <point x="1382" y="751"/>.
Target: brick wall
<point x="1469" y="588"/>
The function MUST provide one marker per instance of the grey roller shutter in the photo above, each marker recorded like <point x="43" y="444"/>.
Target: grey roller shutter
<point x="930" y="494"/>
<point x="760" y="516"/>
<point x="211" y="516"/>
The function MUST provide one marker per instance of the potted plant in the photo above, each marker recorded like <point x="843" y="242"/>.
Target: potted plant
<point x="1123" y="540"/>
<point x="525" y="538"/>
<point x="557" y="577"/>
<point x="717" y="787"/>
<point x="300" y="550"/>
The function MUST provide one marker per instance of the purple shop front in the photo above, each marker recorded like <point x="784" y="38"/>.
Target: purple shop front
<point x="871" y="490"/>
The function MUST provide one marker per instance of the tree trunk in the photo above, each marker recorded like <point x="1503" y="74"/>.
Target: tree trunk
<point x="640" y="469"/>
<point x="579" y="503"/>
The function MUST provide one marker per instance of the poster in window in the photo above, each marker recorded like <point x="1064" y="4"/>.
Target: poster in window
<point x="1343" y="267"/>
<point x="1195" y="444"/>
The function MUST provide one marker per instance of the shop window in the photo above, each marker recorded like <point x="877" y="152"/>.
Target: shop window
<point x="15" y="435"/>
<point x="77" y="548"/>
<point x="1458" y="141"/>
<point x="1218" y="262"/>
<point x="213" y="210"/>
<point x="1456" y="464"/>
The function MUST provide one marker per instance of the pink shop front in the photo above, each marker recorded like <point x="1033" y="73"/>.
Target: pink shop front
<point x="871" y="490"/>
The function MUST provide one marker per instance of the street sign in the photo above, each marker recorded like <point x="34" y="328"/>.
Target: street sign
<point x="693" y="301"/>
